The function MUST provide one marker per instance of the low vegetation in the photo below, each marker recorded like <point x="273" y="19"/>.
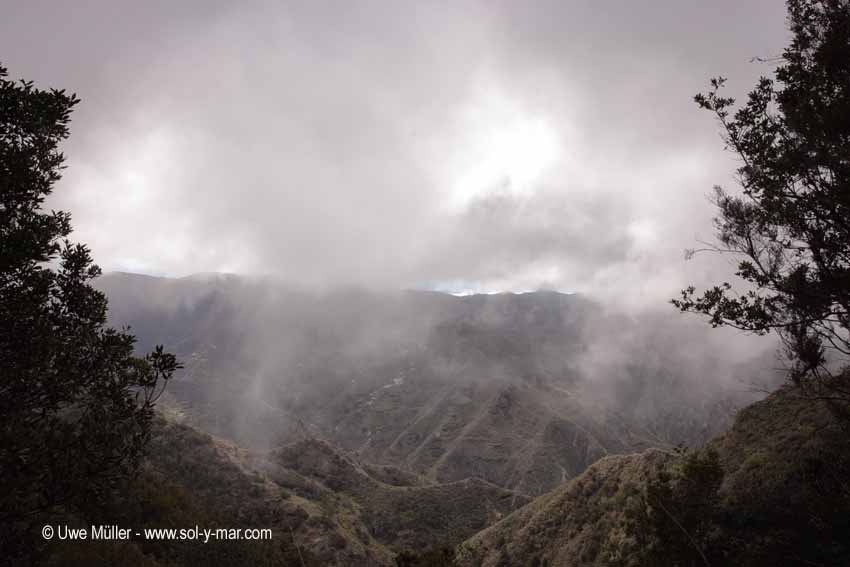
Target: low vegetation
<point x="771" y="491"/>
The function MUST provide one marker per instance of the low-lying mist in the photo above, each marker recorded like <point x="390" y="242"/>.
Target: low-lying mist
<point x="266" y="363"/>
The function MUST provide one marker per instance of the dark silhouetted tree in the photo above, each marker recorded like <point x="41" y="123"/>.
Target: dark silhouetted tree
<point x="792" y="221"/>
<point x="75" y="404"/>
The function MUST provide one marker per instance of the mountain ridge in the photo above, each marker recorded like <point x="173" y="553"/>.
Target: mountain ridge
<point x="767" y="457"/>
<point x="489" y="386"/>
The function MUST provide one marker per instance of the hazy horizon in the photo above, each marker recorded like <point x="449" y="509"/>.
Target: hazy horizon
<point x="492" y="146"/>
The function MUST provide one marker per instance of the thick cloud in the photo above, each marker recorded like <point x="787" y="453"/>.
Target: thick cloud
<point x="503" y="145"/>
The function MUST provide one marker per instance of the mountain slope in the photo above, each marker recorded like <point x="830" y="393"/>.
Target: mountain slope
<point x="192" y="479"/>
<point x="523" y="391"/>
<point x="411" y="513"/>
<point x="776" y="458"/>
<point x="324" y="507"/>
<point x="579" y="523"/>
<point x="331" y="508"/>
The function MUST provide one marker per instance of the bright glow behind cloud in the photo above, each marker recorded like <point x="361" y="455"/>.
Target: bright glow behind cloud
<point x="501" y="147"/>
<point x="390" y="144"/>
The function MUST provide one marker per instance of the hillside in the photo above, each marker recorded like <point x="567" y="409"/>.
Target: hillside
<point x="781" y="488"/>
<point x="323" y="506"/>
<point x="192" y="479"/>
<point x="510" y="388"/>
<point x="400" y="510"/>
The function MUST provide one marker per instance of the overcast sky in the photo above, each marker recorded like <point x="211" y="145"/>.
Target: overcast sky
<point x="478" y="145"/>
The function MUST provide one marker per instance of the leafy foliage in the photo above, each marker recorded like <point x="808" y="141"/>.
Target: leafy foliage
<point x="779" y="497"/>
<point x="76" y="405"/>
<point x="792" y="221"/>
<point x="678" y="524"/>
